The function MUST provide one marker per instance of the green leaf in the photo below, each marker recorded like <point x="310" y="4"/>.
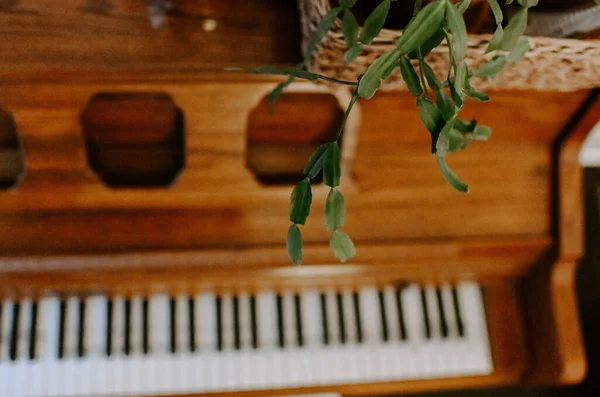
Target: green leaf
<point x="300" y="202"/>
<point x="347" y="3"/>
<point x="374" y="22"/>
<point x="451" y="177"/>
<point x="496" y="40"/>
<point x="350" y="29"/>
<point x="514" y="30"/>
<point x="342" y="245"/>
<point x="445" y="104"/>
<point x="465" y="127"/>
<point x="457" y="96"/>
<point x="292" y="72"/>
<point x="424" y="25"/>
<point x="443" y="143"/>
<point x="410" y="77"/>
<point x="371" y="80"/>
<point x="274" y="95"/>
<point x="492" y="67"/>
<point x="431" y="118"/>
<point x="496" y="10"/>
<point x="332" y="165"/>
<point x="325" y="25"/>
<point x="335" y="210"/>
<point x="353" y="52"/>
<point x="455" y="140"/>
<point x="481" y="133"/>
<point x="431" y="77"/>
<point x="509" y="2"/>
<point x="597" y="1"/>
<point x="530" y="3"/>
<point x="519" y="51"/>
<point x="315" y="163"/>
<point x="294" y="244"/>
<point x="462" y="6"/>
<point x="461" y="76"/>
<point x="457" y="26"/>
<point x="429" y="44"/>
<point x="480" y="96"/>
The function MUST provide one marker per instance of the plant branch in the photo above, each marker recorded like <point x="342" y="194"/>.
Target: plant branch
<point x="450" y="52"/>
<point x="348" y="110"/>
<point x="422" y="72"/>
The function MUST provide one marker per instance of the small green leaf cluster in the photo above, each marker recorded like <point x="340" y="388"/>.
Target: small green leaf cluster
<point x="438" y="102"/>
<point x="328" y="160"/>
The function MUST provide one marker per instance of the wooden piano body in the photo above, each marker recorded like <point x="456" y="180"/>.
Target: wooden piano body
<point x="217" y="228"/>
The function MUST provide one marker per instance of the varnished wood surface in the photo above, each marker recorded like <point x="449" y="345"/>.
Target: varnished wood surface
<point x="62" y="40"/>
<point x="393" y="188"/>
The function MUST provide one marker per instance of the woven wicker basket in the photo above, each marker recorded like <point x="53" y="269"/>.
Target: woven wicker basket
<point x="551" y="65"/>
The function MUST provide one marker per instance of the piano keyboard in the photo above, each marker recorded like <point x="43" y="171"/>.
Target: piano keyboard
<point x="157" y="345"/>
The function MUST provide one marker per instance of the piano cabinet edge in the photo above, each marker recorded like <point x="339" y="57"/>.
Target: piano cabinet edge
<point x="549" y="294"/>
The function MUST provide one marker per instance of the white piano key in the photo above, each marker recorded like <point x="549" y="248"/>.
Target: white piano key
<point x="136" y="330"/>
<point x="71" y="327"/>
<point x="370" y="315"/>
<point x="6" y="329"/>
<point x="311" y="318"/>
<point x="350" y="319"/>
<point x="50" y="328"/>
<point x="473" y="312"/>
<point x="25" y="322"/>
<point x="332" y="314"/>
<point x="206" y="324"/>
<point x="118" y="326"/>
<point x="96" y="325"/>
<point x="267" y="320"/>
<point x="413" y="312"/>
<point x="391" y="313"/>
<point x="245" y="320"/>
<point x="448" y="305"/>
<point x="159" y="324"/>
<point x="433" y="312"/>
<point x="289" y="318"/>
<point x="182" y="325"/>
<point x="227" y="325"/>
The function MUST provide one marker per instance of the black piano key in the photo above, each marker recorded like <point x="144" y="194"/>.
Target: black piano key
<point x="324" y="319"/>
<point x="109" y="321"/>
<point x="341" y="319"/>
<point x="457" y="313"/>
<point x="298" y="307"/>
<point x="62" y="328"/>
<point x="173" y="327"/>
<point x="236" y="323"/>
<point x="192" y="323"/>
<point x="33" y="333"/>
<point x="219" y="324"/>
<point x="81" y="329"/>
<point x="127" y="324"/>
<point x="253" y="322"/>
<point x="425" y="314"/>
<point x="384" y="320"/>
<point x="14" y="331"/>
<point x="280" y="321"/>
<point x="359" y="333"/>
<point x="402" y="324"/>
<point x="145" y="330"/>
<point x="443" y="321"/>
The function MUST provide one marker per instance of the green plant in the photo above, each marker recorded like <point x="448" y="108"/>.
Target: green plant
<point x="438" y="102"/>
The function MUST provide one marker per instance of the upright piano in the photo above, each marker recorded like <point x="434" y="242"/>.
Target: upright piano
<point x="144" y="211"/>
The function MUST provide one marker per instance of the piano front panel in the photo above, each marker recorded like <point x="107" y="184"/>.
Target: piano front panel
<point x="393" y="190"/>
